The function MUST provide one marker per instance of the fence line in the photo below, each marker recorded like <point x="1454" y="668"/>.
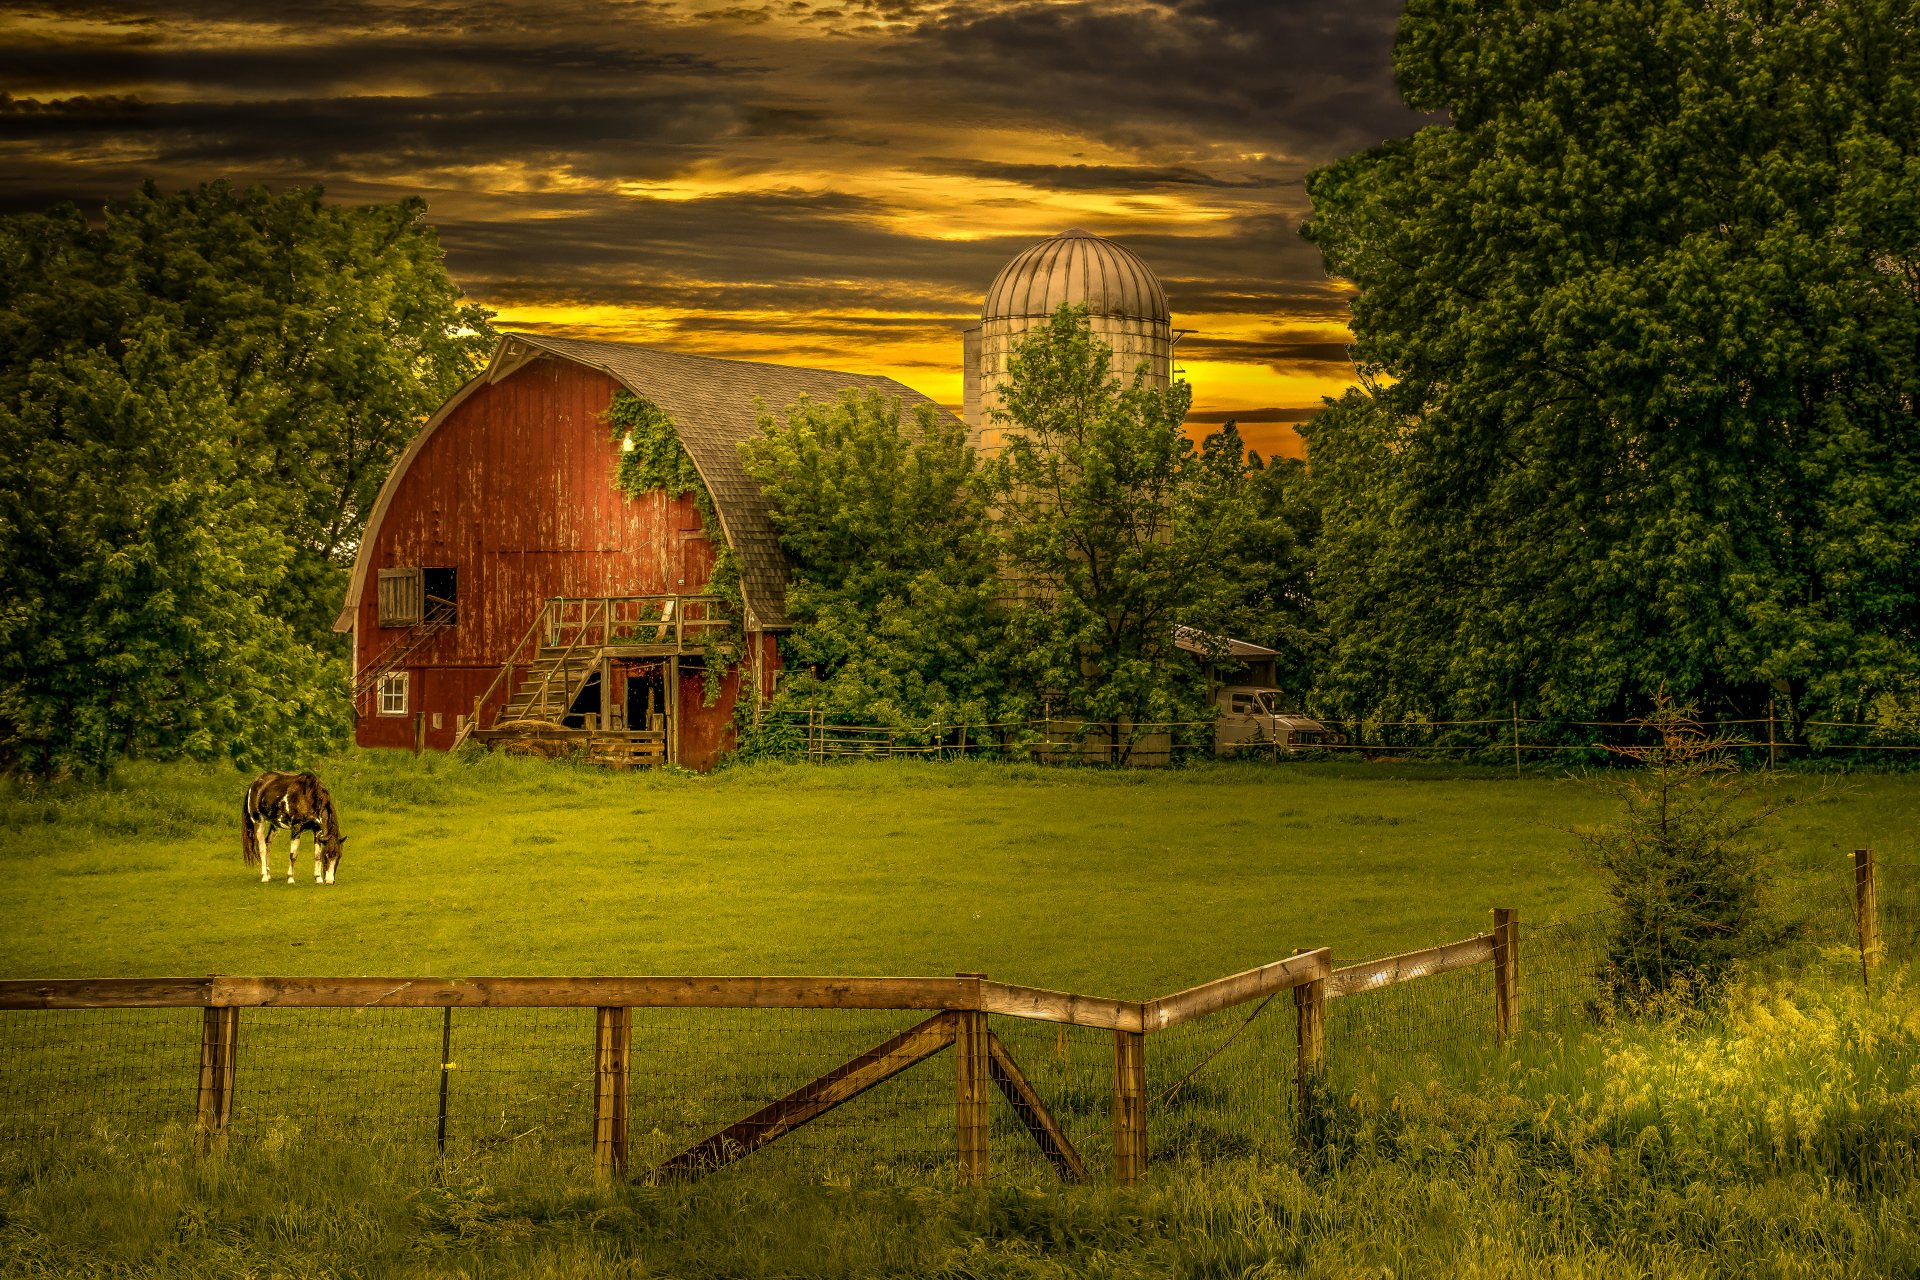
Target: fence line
<point x="992" y="1027"/>
<point x="676" y="1076"/>
<point x="1056" y="739"/>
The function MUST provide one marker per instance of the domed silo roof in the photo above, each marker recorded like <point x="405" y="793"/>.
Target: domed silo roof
<point x="1076" y="267"/>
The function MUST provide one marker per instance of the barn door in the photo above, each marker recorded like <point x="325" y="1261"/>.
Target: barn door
<point x="403" y="597"/>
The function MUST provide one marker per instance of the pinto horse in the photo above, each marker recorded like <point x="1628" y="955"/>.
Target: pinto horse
<point x="298" y="802"/>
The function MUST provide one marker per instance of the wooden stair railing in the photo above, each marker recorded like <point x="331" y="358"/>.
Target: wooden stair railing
<point x="438" y="617"/>
<point x="574" y="633"/>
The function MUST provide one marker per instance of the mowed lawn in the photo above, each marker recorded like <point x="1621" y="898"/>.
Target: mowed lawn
<point x="1116" y="883"/>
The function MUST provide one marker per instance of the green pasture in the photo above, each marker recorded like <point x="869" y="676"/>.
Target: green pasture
<point x="1580" y="1151"/>
<point x="1115" y="883"/>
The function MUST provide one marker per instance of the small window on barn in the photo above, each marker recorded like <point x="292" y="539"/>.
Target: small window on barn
<point x="402" y="597"/>
<point x="393" y="694"/>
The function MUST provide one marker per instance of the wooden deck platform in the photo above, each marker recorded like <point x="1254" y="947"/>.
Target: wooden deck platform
<point x="615" y="748"/>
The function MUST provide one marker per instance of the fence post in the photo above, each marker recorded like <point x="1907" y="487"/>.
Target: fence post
<point x="219" y="1040"/>
<point x="970" y="1085"/>
<point x="1129" y="1106"/>
<point x="1866" y="906"/>
<point x="1310" y="1039"/>
<point x="613" y="1038"/>
<point x="1506" y="972"/>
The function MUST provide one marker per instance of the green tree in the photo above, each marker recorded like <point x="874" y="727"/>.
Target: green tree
<point x="334" y="330"/>
<point x="1682" y="863"/>
<point x="137" y="579"/>
<point x="199" y="399"/>
<point x="1257" y="520"/>
<point x="1112" y="532"/>
<point x="1640" y="325"/>
<point x="893" y="591"/>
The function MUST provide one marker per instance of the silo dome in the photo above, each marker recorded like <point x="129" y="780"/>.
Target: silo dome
<point x="1076" y="267"/>
<point x="1126" y="309"/>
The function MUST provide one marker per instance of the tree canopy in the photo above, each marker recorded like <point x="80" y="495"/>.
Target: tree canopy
<point x="199" y="398"/>
<point x="894" y="595"/>
<point x="1640" y="332"/>
<point x="929" y="585"/>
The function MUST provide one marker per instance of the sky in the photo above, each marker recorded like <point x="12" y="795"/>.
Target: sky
<point x="819" y="182"/>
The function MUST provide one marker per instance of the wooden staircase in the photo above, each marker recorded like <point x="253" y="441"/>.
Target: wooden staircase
<point x="437" y="617"/>
<point x="571" y="641"/>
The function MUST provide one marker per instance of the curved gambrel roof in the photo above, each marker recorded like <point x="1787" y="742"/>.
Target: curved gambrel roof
<point x="714" y="404"/>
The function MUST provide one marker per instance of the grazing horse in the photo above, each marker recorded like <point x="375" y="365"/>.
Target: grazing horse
<point x="298" y="802"/>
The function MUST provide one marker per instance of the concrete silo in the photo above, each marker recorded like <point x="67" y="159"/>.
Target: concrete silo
<point x="1124" y="301"/>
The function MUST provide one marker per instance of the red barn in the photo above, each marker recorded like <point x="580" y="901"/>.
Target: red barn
<point x="506" y="590"/>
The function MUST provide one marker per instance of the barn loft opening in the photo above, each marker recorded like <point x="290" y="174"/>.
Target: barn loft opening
<point x="442" y="588"/>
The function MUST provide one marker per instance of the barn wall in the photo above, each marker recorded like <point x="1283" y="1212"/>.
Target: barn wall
<point x="514" y="489"/>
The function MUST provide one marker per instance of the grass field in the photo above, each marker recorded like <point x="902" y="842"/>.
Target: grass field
<point x="1125" y="884"/>
<point x="1779" y="1137"/>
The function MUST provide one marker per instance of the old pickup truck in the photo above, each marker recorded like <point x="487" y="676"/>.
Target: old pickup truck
<point x="1253" y="718"/>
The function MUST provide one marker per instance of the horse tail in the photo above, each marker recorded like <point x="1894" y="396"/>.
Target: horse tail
<point x="249" y="847"/>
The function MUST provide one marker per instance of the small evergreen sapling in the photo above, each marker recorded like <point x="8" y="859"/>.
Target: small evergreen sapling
<point x="1683" y="862"/>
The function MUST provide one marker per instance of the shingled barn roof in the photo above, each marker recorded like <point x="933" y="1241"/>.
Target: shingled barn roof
<point x="714" y="404"/>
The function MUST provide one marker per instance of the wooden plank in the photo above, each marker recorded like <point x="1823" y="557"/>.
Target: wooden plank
<point x="1506" y="972"/>
<point x="970" y="1086"/>
<point x="673" y="706"/>
<point x="1129" y="1107"/>
<point x="1356" y="978"/>
<point x="213" y="1103"/>
<point x="1033" y="1113"/>
<point x="105" y="993"/>
<point x="1062" y="1006"/>
<point x="1224" y="993"/>
<point x="817" y="1097"/>
<point x="612" y="1045"/>
<point x="723" y="992"/>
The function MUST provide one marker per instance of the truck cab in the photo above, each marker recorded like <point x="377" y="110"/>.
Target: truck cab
<point x="1258" y="717"/>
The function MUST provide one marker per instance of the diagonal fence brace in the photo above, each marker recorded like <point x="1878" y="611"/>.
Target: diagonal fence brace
<point x="817" y="1097"/>
<point x="1047" y="1135"/>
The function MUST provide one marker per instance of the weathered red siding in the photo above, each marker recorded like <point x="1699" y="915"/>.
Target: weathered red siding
<point x="514" y="489"/>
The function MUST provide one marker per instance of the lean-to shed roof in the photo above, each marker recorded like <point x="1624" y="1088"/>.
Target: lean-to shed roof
<point x="714" y="404"/>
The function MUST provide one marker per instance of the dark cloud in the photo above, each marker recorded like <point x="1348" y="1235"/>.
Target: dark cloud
<point x="628" y="153"/>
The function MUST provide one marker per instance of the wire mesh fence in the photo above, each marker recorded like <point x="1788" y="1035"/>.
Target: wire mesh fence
<point x="112" y="1075"/>
<point x="1496" y="739"/>
<point x="1898" y="893"/>
<point x="1225" y="1084"/>
<point x="846" y="1092"/>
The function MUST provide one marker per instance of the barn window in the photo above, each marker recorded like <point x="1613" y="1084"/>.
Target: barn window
<point x="393" y="693"/>
<point x="402" y="597"/>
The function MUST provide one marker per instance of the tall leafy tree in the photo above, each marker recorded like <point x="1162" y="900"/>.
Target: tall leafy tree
<point x="1112" y="530"/>
<point x="894" y="594"/>
<point x="137" y="576"/>
<point x="199" y="398"/>
<point x="334" y="329"/>
<point x="1641" y="328"/>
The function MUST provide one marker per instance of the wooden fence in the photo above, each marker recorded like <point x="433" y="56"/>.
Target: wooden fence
<point x="958" y="1009"/>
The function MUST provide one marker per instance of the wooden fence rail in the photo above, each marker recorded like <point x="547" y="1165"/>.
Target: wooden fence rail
<point x="960" y="1007"/>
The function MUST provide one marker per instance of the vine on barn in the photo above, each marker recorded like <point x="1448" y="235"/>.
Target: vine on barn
<point x="652" y="457"/>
